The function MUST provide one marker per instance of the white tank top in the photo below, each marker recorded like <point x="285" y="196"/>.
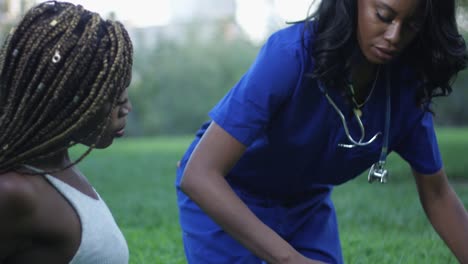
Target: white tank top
<point x="102" y="241"/>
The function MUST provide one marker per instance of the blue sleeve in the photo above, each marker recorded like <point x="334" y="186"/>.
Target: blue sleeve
<point x="247" y="108"/>
<point x="419" y="148"/>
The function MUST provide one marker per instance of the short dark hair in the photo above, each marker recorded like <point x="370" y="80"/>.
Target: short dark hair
<point x="437" y="54"/>
<point x="57" y="68"/>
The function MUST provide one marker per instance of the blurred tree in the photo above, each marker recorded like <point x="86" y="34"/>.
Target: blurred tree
<point x="175" y="84"/>
<point x="453" y="110"/>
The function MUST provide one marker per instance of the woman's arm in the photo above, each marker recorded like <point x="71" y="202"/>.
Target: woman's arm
<point x="445" y="211"/>
<point x="204" y="182"/>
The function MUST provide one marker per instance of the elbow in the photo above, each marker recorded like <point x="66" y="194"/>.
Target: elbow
<point x="189" y="183"/>
<point x="185" y="182"/>
<point x="197" y="180"/>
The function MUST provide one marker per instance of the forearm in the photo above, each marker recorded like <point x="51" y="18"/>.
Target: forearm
<point x="449" y="218"/>
<point x="214" y="195"/>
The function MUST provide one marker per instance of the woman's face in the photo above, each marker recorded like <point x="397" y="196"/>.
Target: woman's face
<point x="117" y="121"/>
<point x="115" y="126"/>
<point x="386" y="27"/>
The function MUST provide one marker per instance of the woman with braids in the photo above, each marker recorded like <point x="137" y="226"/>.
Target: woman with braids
<point x="63" y="78"/>
<point x="326" y="99"/>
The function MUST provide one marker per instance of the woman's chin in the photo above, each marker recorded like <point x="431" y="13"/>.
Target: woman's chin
<point x="101" y="144"/>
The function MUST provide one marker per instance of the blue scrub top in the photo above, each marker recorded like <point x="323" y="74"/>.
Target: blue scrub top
<point x="292" y="132"/>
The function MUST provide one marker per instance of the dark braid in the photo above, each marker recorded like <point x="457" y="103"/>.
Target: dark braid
<point x="58" y="68"/>
<point x="24" y="103"/>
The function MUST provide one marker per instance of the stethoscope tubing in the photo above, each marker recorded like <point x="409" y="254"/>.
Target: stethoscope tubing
<point x="360" y="143"/>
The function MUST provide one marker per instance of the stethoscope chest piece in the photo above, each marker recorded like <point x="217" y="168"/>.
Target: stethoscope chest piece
<point x="378" y="173"/>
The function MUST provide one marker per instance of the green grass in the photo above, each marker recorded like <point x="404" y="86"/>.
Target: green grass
<point x="386" y="224"/>
<point x="378" y="223"/>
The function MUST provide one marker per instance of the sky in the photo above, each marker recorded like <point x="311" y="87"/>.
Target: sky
<point x="251" y="14"/>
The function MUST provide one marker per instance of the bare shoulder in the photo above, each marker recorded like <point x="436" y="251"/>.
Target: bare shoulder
<point x="17" y="196"/>
<point x="17" y="207"/>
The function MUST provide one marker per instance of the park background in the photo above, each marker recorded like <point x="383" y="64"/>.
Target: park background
<point x="183" y="64"/>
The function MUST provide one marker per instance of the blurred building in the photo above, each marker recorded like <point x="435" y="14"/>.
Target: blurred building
<point x="6" y="12"/>
<point x="185" y="11"/>
<point x="11" y="10"/>
<point x="204" y="20"/>
<point x="462" y="19"/>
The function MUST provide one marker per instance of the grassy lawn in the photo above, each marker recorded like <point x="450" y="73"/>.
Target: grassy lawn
<point x="378" y="223"/>
<point x="386" y="224"/>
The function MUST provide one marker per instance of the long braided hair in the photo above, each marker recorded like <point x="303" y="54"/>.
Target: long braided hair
<point x="58" y="67"/>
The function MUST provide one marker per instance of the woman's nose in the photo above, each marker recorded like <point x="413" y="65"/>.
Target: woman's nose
<point x="393" y="33"/>
<point x="129" y="106"/>
<point x="126" y="108"/>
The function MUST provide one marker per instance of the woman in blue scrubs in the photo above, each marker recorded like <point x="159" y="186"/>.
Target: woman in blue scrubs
<point x="324" y="100"/>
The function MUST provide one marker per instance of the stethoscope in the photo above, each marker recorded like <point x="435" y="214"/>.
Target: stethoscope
<point x="377" y="171"/>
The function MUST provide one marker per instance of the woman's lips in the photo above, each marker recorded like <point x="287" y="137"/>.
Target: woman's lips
<point x="384" y="54"/>
<point x="120" y="132"/>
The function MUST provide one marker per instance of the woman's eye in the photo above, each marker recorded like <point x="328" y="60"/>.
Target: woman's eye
<point x="122" y="102"/>
<point x="383" y="18"/>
